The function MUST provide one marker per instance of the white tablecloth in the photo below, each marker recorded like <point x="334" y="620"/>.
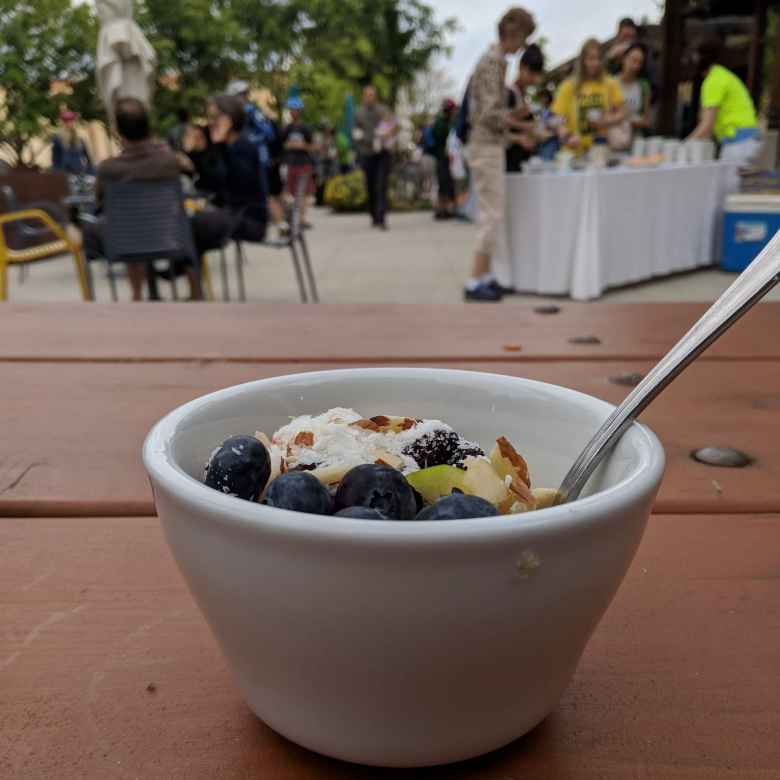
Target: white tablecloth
<point x="580" y="233"/>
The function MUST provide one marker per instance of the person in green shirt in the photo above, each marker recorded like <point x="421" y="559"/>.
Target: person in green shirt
<point x="727" y="110"/>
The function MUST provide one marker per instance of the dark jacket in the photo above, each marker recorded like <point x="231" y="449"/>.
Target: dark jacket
<point x="440" y="133"/>
<point x="73" y="159"/>
<point x="232" y="172"/>
<point x="144" y="161"/>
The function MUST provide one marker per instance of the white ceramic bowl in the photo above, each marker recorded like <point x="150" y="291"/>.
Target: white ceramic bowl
<point x="404" y="644"/>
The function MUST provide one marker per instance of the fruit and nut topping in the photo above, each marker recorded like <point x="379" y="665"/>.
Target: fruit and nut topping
<point x="375" y="468"/>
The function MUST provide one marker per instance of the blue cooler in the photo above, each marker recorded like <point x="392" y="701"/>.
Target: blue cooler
<point x="749" y="222"/>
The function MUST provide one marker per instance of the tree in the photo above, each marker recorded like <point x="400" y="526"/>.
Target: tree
<point x="385" y="42"/>
<point x="429" y="89"/>
<point x="43" y="42"/>
<point x="200" y="46"/>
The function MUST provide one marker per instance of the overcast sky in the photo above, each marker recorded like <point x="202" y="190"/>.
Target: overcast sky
<point x="565" y="24"/>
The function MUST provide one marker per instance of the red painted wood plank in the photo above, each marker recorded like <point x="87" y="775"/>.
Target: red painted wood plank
<point x="677" y="681"/>
<point x="72" y="433"/>
<point x="353" y="333"/>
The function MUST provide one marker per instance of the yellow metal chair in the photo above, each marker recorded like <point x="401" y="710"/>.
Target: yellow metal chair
<point x="60" y="245"/>
<point x="205" y="277"/>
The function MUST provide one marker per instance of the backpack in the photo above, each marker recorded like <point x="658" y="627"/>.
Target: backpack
<point x="428" y="141"/>
<point x="262" y="132"/>
<point x="462" y="124"/>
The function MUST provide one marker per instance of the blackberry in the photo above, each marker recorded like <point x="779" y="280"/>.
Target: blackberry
<point x="441" y="448"/>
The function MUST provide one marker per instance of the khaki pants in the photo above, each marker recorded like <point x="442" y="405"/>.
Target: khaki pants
<point x="487" y="164"/>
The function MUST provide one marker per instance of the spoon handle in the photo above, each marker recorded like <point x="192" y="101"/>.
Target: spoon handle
<point x="748" y="289"/>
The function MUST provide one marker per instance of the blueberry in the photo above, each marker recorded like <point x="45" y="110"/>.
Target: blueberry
<point x="378" y="487"/>
<point x="361" y="513"/>
<point x="299" y="491"/>
<point x="458" y="507"/>
<point x="240" y="466"/>
<point x="441" y="448"/>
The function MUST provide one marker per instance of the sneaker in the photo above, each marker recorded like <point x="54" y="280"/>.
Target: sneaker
<point x="486" y="293"/>
<point x="496" y="285"/>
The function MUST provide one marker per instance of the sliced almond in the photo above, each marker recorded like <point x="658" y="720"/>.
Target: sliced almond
<point x="330" y="475"/>
<point x="368" y="425"/>
<point x="260" y="436"/>
<point x="517" y="464"/>
<point x="278" y="466"/>
<point x="519" y="508"/>
<point x="482" y="480"/>
<point x="522" y="491"/>
<point x="389" y="459"/>
<point x="304" y="439"/>
<point x="544" y="497"/>
<point x="393" y="424"/>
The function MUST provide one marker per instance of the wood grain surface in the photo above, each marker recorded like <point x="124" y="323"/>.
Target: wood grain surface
<point x="388" y="333"/>
<point x="108" y="670"/>
<point x="73" y="432"/>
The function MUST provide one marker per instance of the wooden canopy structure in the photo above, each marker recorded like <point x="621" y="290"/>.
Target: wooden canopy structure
<point x="743" y="26"/>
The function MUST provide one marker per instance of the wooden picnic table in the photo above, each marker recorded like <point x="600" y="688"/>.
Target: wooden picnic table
<point x="107" y="668"/>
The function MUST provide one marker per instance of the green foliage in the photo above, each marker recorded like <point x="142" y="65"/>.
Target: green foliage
<point x="331" y="48"/>
<point x="323" y="92"/>
<point x="385" y="42"/>
<point x="199" y="45"/>
<point x="41" y="42"/>
<point x="347" y="192"/>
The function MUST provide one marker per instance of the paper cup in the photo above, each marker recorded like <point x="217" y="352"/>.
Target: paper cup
<point x="639" y="147"/>
<point x="682" y="156"/>
<point x="655" y="146"/>
<point x="670" y="150"/>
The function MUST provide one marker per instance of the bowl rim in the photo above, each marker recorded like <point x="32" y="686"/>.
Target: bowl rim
<point x="158" y="461"/>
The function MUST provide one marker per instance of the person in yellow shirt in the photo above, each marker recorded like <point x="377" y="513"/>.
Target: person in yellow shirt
<point x="727" y="110"/>
<point x="590" y="102"/>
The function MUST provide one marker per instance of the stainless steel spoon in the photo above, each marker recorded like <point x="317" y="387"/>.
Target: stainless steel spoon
<point x="749" y="288"/>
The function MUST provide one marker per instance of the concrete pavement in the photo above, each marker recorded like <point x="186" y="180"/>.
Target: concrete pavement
<point x="416" y="261"/>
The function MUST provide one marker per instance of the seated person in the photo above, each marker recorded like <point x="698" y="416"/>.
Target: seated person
<point x="227" y="165"/>
<point x="141" y="159"/>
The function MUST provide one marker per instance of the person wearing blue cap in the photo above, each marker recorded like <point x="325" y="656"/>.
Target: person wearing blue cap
<point x="265" y="134"/>
<point x="297" y="140"/>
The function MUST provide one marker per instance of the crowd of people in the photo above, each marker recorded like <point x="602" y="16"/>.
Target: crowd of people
<point x="608" y="101"/>
<point x="249" y="165"/>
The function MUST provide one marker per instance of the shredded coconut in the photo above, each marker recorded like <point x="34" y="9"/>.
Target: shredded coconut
<point x="338" y="443"/>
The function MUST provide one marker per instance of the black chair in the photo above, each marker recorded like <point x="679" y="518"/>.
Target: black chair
<point x="295" y="239"/>
<point x="145" y="221"/>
